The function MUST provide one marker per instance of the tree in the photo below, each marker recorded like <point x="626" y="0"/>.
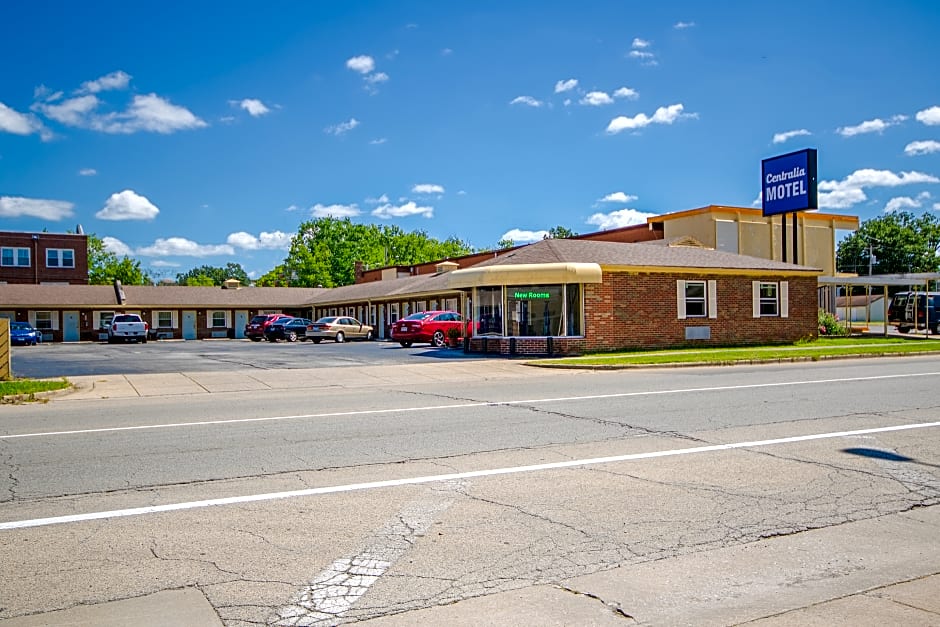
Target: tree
<point x="325" y="251"/>
<point x="897" y="242"/>
<point x="213" y="275"/>
<point x="104" y="266"/>
<point x="559" y="232"/>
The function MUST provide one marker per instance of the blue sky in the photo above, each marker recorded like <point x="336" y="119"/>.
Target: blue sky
<point x="192" y="133"/>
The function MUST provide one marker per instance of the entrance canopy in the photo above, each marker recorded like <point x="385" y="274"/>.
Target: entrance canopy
<point x="525" y="274"/>
<point x="915" y="281"/>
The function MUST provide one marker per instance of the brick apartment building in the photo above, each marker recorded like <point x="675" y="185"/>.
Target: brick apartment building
<point x="43" y="258"/>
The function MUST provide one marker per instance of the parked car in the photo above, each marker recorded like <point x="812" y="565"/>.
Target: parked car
<point x="428" y="326"/>
<point x="254" y="330"/>
<point x="338" y="329"/>
<point x="290" y="329"/>
<point x="24" y="334"/>
<point x="125" y="327"/>
<point x="915" y="310"/>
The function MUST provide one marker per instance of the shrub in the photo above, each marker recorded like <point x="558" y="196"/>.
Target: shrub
<point x="829" y="324"/>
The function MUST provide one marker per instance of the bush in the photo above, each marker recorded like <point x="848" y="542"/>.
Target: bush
<point x="829" y="324"/>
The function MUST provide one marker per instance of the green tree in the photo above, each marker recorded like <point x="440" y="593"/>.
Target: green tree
<point x="213" y="275"/>
<point x="559" y="232"/>
<point x="104" y="266"/>
<point x="896" y="242"/>
<point x="325" y="251"/>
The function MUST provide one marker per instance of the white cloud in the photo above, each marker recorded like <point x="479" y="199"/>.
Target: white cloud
<point x="160" y="263"/>
<point x="149" y="113"/>
<point x="626" y="92"/>
<point x="87" y="172"/>
<point x="526" y="100"/>
<point x="617" y="219"/>
<point x="663" y="115"/>
<point x="617" y="197"/>
<point x="127" y="205"/>
<point x="145" y="113"/>
<point x="379" y="141"/>
<point x="780" y="138"/>
<point x="375" y="201"/>
<point x="401" y="211"/>
<point x="906" y="202"/>
<point x="277" y="240"/>
<point x="364" y="64"/>
<point x="683" y="25"/>
<point x="378" y="77"/>
<point x="253" y="106"/>
<point x="640" y="43"/>
<point x="869" y="126"/>
<point x="568" y="85"/>
<point x="427" y="188"/>
<point x="108" y="82"/>
<point x="335" y="211"/>
<point x="930" y="117"/>
<point x="12" y="121"/>
<point x="647" y="58"/>
<point x="596" y="99"/>
<point x="71" y="112"/>
<point x="342" y="128"/>
<point x="17" y="207"/>
<point x="116" y="246"/>
<point x="519" y="236"/>
<point x="850" y="190"/>
<point x="182" y="247"/>
<point x="447" y="52"/>
<point x="922" y="147"/>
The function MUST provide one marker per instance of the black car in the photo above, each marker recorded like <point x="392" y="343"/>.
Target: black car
<point x="290" y="329"/>
<point x="915" y="310"/>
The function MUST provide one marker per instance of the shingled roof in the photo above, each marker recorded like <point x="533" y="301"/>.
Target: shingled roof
<point x="149" y="297"/>
<point x="657" y="254"/>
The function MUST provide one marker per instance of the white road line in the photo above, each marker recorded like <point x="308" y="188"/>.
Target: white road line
<point x="372" y="485"/>
<point x="533" y="401"/>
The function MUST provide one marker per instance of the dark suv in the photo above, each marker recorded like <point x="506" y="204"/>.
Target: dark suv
<point x="254" y="330"/>
<point x="915" y="310"/>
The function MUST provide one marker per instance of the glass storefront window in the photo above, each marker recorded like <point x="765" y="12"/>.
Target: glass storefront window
<point x="535" y="310"/>
<point x="573" y="310"/>
<point x="488" y="311"/>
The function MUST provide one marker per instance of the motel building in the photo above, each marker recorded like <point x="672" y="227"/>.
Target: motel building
<point x="708" y="276"/>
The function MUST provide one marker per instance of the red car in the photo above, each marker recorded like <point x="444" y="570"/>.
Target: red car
<point x="428" y="326"/>
<point x="254" y="330"/>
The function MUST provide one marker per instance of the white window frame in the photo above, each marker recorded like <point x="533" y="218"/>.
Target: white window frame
<point x="711" y="299"/>
<point x="99" y="317"/>
<point x="210" y="319"/>
<point x="781" y="300"/>
<point x="173" y="319"/>
<point x="16" y="257"/>
<point x="46" y="316"/>
<point x="60" y="257"/>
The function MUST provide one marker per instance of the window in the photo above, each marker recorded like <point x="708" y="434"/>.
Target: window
<point x="219" y="319"/>
<point x="488" y="310"/>
<point x="164" y="319"/>
<point x="104" y="318"/>
<point x="770" y="299"/>
<point x="17" y="257"/>
<point x="44" y="320"/>
<point x="60" y="258"/>
<point x="695" y="299"/>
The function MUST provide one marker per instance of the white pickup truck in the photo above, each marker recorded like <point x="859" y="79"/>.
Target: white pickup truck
<point x="126" y="327"/>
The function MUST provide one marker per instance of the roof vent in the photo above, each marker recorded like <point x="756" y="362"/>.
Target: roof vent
<point x="231" y="284"/>
<point x="446" y="266"/>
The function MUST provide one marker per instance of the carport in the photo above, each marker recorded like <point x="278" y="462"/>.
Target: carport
<point x="913" y="282"/>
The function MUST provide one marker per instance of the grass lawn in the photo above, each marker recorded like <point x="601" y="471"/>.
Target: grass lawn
<point x="25" y="389"/>
<point x="823" y="348"/>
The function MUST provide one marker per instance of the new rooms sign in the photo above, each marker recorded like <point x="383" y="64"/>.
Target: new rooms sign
<point x="789" y="182"/>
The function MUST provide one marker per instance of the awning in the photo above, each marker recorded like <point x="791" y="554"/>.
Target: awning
<point x="525" y="274"/>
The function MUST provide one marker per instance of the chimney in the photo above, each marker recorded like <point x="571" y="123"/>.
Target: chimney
<point x="119" y="293"/>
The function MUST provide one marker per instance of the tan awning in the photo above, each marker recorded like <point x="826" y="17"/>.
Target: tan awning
<point x="525" y="274"/>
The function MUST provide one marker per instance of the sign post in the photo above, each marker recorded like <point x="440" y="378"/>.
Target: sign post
<point x="789" y="185"/>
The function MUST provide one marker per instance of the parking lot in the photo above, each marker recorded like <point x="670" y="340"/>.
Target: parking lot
<point x="90" y="358"/>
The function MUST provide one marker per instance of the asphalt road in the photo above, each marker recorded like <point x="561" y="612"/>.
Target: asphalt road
<point x="471" y="482"/>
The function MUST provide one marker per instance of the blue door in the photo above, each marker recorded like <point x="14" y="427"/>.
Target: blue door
<point x="189" y="325"/>
<point x="70" y="330"/>
<point x="241" y="321"/>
